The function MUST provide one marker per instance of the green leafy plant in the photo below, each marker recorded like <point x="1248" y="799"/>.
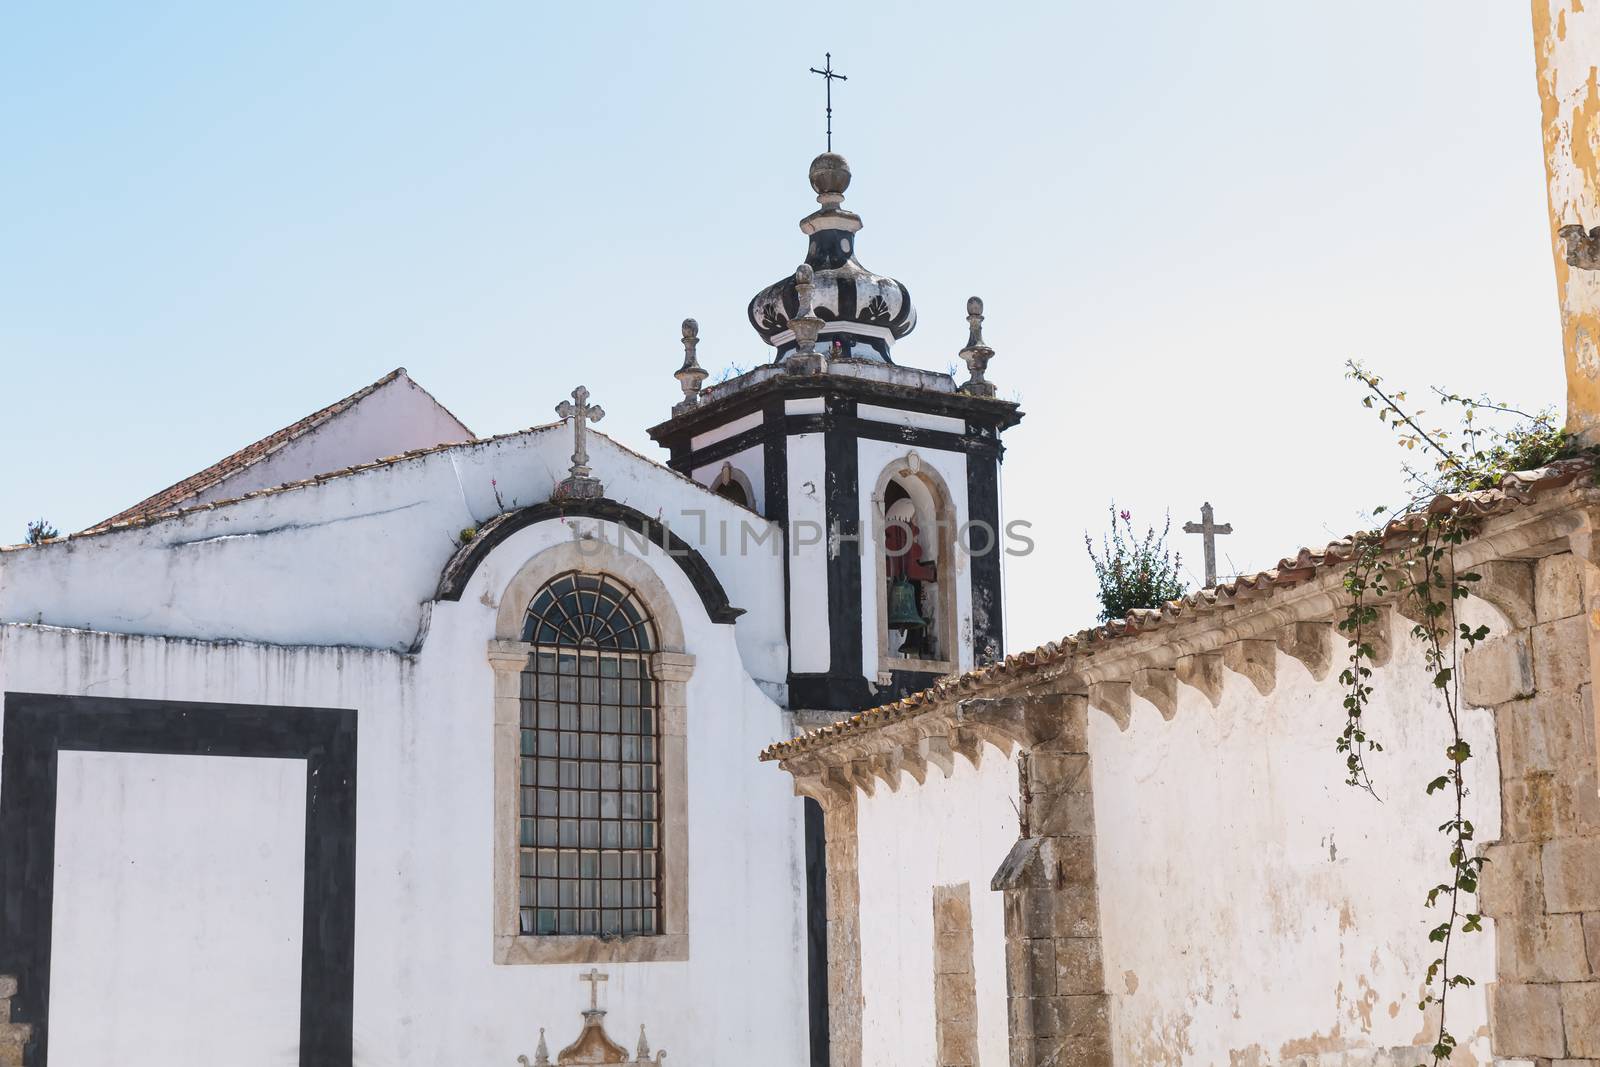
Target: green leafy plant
<point x="1134" y="571"/>
<point x="1414" y="566"/>
<point x="40" y="531"/>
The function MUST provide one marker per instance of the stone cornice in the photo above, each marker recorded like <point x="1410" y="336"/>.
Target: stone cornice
<point x="1237" y="628"/>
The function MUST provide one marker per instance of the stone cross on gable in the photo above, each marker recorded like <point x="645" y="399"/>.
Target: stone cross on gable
<point x="594" y="978"/>
<point x="1209" y="530"/>
<point x="578" y="484"/>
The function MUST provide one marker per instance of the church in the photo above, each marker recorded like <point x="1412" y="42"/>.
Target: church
<point x="447" y="721"/>
<point x="381" y="742"/>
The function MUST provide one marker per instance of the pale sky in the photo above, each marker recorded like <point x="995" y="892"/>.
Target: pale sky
<point x="1183" y="219"/>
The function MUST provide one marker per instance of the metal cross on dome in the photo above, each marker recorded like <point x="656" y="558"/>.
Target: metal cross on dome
<point x="1209" y="529"/>
<point x="829" y="75"/>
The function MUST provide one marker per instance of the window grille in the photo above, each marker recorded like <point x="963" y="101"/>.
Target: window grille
<point x="589" y="831"/>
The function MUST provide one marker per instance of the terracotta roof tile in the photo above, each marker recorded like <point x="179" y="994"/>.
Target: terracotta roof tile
<point x="1516" y="490"/>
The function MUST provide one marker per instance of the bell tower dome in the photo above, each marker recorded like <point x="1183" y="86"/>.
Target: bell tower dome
<point x="883" y="479"/>
<point x="863" y="314"/>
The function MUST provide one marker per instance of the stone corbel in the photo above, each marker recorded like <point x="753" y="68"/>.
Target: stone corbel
<point x="1255" y="659"/>
<point x="909" y="758"/>
<point x="964" y="742"/>
<point x="1311" y="643"/>
<point x="1113" y="698"/>
<point x="1507" y="586"/>
<point x="1377" y="635"/>
<point x="1159" y="687"/>
<point x="860" y="772"/>
<point x="886" y="765"/>
<point x="1024" y="721"/>
<point x="935" y="749"/>
<point x="1202" y="671"/>
<point x="826" y="785"/>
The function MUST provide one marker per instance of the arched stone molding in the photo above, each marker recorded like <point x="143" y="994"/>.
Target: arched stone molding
<point x="731" y="475"/>
<point x="930" y="495"/>
<point x="671" y="667"/>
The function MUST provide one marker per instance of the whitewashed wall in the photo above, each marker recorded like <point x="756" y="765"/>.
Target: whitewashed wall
<point x="354" y="560"/>
<point x="427" y="991"/>
<point x="1256" y="909"/>
<point x="945" y="832"/>
<point x="394" y="418"/>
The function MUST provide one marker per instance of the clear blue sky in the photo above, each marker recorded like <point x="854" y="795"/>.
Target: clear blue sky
<point x="215" y="218"/>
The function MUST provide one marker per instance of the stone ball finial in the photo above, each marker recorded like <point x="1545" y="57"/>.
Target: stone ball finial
<point x="974" y="305"/>
<point x="830" y="176"/>
<point x="691" y="329"/>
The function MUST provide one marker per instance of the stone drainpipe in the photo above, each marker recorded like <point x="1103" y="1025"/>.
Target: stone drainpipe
<point x="1055" y="978"/>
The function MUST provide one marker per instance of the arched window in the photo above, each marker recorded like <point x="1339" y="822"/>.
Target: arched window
<point x="731" y="483"/>
<point x="916" y="587"/>
<point x="588" y="832"/>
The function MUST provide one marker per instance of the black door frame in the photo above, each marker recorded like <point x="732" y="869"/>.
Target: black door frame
<point x="39" y="726"/>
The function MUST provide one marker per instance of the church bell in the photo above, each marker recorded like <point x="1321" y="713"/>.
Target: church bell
<point x="903" y="612"/>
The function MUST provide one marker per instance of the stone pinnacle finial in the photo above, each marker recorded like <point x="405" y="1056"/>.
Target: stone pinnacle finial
<point x="691" y="374"/>
<point x="804" y="323"/>
<point x="830" y="177"/>
<point x="977" y="354"/>
<point x="642" y="1053"/>
<point x="541" y="1055"/>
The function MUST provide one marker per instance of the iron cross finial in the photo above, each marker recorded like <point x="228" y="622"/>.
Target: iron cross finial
<point x="829" y="75"/>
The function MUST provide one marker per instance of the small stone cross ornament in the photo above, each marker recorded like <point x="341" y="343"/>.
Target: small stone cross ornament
<point x="578" y="484"/>
<point x="594" y="1045"/>
<point x="1209" y="530"/>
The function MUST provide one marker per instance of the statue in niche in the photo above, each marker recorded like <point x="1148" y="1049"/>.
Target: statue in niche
<point x="593" y="1045"/>
<point x="911" y="572"/>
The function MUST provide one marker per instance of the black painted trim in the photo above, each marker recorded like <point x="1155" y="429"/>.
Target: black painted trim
<point x="817" y="931"/>
<point x="39" y="726"/>
<point x="984" y="445"/>
<point x="465" y="562"/>
<point x="842" y="518"/>
<point x="677" y="431"/>
<point x="984" y="571"/>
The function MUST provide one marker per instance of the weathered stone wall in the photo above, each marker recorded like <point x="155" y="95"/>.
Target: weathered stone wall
<point x="955" y="985"/>
<point x="12" y="1035"/>
<point x="1542" y="882"/>
<point x="1055" y="978"/>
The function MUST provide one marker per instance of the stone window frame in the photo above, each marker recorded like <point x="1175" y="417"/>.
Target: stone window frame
<point x="671" y="668"/>
<point x="912" y="467"/>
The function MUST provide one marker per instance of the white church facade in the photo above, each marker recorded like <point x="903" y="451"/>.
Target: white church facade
<point x="362" y="744"/>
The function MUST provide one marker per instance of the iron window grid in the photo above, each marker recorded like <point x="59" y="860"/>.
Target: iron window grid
<point x="589" y="793"/>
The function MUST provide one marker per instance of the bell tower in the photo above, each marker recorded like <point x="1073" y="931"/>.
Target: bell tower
<point x="885" y="479"/>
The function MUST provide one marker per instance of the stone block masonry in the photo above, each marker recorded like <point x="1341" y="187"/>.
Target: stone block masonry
<point x="1542" y="882"/>
<point x="13" y="1036"/>
<point x="1055" y="979"/>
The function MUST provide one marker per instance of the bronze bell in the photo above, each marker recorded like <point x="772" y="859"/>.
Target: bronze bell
<point x="903" y="612"/>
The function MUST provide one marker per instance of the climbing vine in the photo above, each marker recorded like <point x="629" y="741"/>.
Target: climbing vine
<point x="1411" y="562"/>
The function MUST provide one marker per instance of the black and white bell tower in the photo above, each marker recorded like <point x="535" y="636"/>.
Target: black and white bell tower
<point x="884" y="479"/>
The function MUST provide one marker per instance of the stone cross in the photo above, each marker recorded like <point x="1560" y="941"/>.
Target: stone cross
<point x="578" y="485"/>
<point x="1209" y="530"/>
<point x="581" y="413"/>
<point x="594" y="978"/>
